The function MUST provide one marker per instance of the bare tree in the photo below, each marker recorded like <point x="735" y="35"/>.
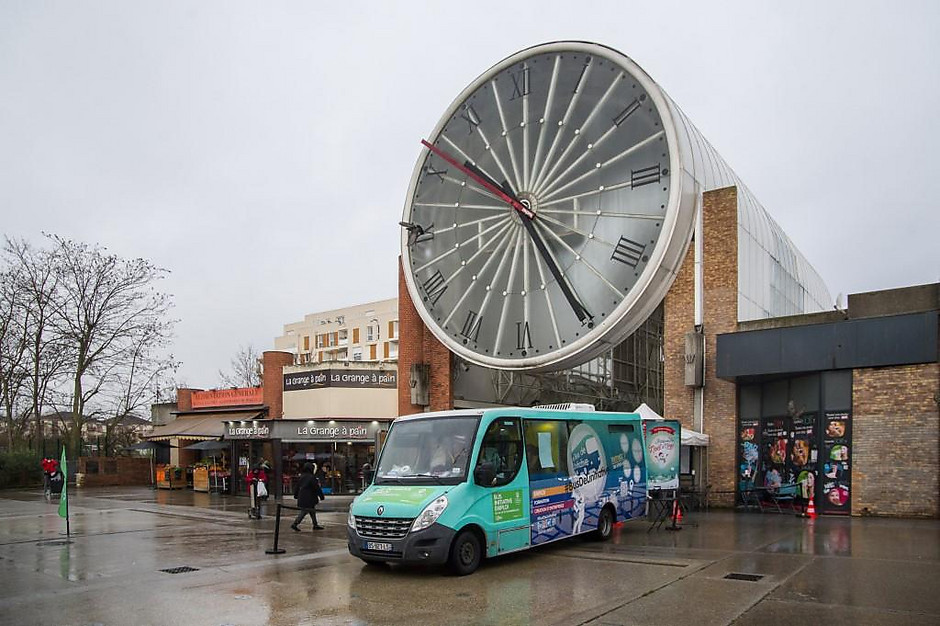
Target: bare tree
<point x="13" y="354"/>
<point x="111" y="320"/>
<point x="36" y="280"/>
<point x="135" y="384"/>
<point x="245" y="369"/>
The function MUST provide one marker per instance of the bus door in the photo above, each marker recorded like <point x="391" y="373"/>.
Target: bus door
<point x="499" y="470"/>
<point x="553" y="510"/>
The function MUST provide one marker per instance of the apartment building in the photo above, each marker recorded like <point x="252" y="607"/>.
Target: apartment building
<point x="365" y="332"/>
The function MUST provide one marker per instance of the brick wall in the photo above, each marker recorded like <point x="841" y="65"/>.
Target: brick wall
<point x="272" y="381"/>
<point x="184" y="399"/>
<point x="678" y="319"/>
<point x="896" y="440"/>
<point x="112" y="471"/>
<point x="417" y="344"/>
<point x="720" y="307"/>
<point x="720" y="314"/>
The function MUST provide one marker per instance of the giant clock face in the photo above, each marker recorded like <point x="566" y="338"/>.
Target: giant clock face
<point x="542" y="207"/>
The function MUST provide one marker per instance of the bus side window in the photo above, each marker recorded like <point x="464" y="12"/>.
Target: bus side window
<point x="546" y="447"/>
<point x="501" y="450"/>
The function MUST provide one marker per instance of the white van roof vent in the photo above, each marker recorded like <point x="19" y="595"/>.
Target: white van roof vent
<point x="568" y="406"/>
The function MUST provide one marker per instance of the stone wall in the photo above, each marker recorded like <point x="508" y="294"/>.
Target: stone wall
<point x="896" y="441"/>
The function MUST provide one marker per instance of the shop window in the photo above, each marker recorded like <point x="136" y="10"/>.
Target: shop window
<point x="837" y="390"/>
<point x="501" y="450"/>
<point x="749" y="397"/>
<point x="774" y="398"/>
<point x="804" y="393"/>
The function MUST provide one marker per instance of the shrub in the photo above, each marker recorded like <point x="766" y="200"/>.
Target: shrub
<point x="19" y="468"/>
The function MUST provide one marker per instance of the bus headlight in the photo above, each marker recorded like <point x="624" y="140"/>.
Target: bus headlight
<point x="430" y="514"/>
<point x="351" y="520"/>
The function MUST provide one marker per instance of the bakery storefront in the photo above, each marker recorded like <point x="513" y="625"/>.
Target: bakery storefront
<point x="342" y="448"/>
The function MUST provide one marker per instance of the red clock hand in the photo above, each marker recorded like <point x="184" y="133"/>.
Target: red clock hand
<point x="480" y="180"/>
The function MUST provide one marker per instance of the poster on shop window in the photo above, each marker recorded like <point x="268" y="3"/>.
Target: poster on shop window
<point x="836" y="476"/>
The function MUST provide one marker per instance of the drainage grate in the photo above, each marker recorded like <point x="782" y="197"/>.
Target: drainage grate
<point x="751" y="578"/>
<point x="180" y="570"/>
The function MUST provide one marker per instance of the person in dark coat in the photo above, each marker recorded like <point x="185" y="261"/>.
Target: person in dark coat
<point x="308" y="494"/>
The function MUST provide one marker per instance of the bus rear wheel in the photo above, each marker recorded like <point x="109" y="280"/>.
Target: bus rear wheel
<point x="605" y="524"/>
<point x="466" y="553"/>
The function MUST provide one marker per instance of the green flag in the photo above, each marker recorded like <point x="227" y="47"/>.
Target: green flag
<point x="64" y="498"/>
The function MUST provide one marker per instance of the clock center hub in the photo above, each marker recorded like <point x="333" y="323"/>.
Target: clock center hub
<point x="529" y="201"/>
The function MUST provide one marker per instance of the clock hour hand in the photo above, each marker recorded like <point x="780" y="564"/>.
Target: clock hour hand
<point x="583" y="315"/>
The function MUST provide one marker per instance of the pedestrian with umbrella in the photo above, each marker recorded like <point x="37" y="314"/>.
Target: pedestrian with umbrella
<point x="308" y="494"/>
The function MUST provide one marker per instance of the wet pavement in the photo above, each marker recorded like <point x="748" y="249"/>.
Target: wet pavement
<point x="832" y="570"/>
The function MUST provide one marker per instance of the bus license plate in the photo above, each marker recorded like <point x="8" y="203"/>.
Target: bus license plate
<point x="375" y="545"/>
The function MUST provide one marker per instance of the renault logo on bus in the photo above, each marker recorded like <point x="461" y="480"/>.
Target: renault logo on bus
<point x="380" y="510"/>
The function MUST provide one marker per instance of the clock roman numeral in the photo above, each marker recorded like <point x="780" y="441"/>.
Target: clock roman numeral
<point x="627" y="112"/>
<point x="644" y="176"/>
<point x="434" y="287"/>
<point x="584" y="67"/>
<point x="471" y="326"/>
<point x="430" y="171"/>
<point x="628" y="252"/>
<point x="520" y="83"/>
<point x="470" y="115"/>
<point x="523" y="336"/>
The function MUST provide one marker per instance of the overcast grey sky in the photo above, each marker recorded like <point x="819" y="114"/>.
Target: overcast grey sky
<point x="261" y="151"/>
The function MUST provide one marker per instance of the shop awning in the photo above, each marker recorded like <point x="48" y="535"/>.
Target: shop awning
<point x="200" y="427"/>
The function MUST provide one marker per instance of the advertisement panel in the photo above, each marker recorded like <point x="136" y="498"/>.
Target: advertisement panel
<point x="602" y="463"/>
<point x="662" y="453"/>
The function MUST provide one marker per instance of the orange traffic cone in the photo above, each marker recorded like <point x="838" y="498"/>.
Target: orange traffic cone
<point x="811" y="509"/>
<point x="677" y="512"/>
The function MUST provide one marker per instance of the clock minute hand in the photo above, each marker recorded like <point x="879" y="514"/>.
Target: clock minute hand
<point x="481" y="180"/>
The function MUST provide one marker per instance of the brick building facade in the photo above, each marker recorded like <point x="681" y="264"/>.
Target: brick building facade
<point x="895" y="436"/>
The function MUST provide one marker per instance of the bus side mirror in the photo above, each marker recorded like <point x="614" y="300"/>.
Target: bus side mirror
<point x="484" y="474"/>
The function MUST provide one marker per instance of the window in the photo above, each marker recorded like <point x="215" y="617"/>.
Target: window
<point x="372" y="352"/>
<point x="371" y="333"/>
<point x="355" y="338"/>
<point x="393" y="350"/>
<point x="546" y="444"/>
<point x="319" y="341"/>
<point x="393" y="329"/>
<point x="501" y="450"/>
<point x="306" y="343"/>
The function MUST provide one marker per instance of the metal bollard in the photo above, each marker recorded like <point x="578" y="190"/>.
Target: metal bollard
<point x="277" y="532"/>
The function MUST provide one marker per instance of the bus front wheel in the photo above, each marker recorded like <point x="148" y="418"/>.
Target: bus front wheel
<point x="466" y="553"/>
<point x="605" y="524"/>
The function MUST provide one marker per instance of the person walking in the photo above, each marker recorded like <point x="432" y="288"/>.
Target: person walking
<point x="308" y="494"/>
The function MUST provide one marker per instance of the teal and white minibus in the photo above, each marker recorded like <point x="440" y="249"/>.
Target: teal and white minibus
<point x="457" y="486"/>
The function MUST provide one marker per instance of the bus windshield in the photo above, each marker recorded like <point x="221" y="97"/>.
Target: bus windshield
<point x="427" y="451"/>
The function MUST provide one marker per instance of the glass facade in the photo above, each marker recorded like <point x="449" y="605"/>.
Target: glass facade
<point x="774" y="278"/>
